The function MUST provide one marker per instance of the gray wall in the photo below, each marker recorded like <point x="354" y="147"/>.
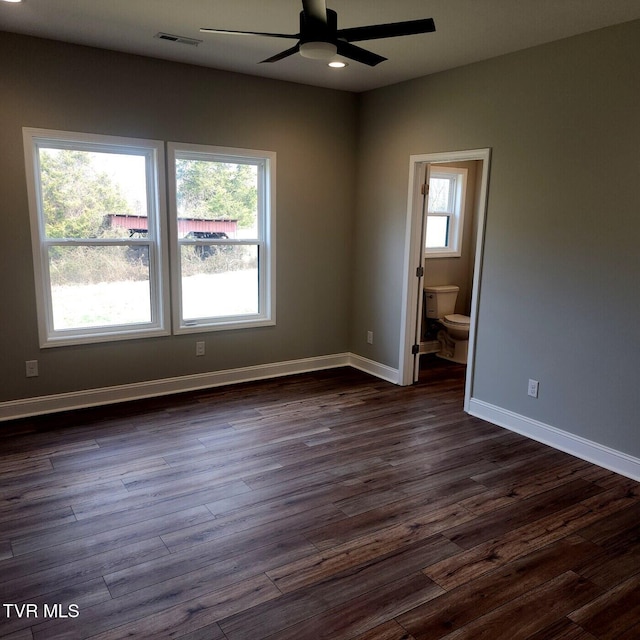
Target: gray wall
<point x="59" y="86"/>
<point x="559" y="293"/>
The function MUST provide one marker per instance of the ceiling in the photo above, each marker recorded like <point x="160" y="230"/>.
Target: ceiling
<point x="466" y="31"/>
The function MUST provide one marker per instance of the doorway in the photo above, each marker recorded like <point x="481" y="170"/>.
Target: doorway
<point x="419" y="169"/>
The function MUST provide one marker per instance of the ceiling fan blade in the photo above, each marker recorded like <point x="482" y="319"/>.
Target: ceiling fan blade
<point x="252" y="33"/>
<point x="391" y="30"/>
<point x="359" y="55"/>
<point x="315" y="9"/>
<point x="283" y="54"/>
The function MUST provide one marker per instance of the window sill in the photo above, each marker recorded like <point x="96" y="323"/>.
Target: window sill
<point x="443" y="254"/>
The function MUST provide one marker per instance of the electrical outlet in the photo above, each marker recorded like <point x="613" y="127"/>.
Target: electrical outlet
<point x="200" y="348"/>
<point x="369" y="337"/>
<point x="533" y="388"/>
<point x="31" y="368"/>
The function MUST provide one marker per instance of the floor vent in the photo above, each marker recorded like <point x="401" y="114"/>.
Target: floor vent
<point x="180" y="39"/>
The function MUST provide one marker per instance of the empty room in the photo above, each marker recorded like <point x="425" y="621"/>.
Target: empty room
<point x="318" y="319"/>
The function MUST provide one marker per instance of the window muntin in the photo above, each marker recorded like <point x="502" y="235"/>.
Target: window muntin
<point x="445" y="212"/>
<point x="222" y="237"/>
<point x="95" y="205"/>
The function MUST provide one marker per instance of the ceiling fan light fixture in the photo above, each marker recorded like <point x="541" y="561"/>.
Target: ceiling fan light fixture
<point x="320" y="39"/>
<point x="318" y="50"/>
<point x="337" y="64"/>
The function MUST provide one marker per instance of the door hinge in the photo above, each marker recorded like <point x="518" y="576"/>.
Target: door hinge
<point x="415" y="349"/>
<point x="419" y="272"/>
<point x="424" y="189"/>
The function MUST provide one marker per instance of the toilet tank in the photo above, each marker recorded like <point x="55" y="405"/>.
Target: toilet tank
<point x="441" y="300"/>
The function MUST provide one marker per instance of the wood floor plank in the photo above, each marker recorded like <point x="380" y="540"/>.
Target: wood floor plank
<point x="208" y="632"/>
<point x="17" y="468"/>
<point x="200" y="473"/>
<point x="167" y="493"/>
<point x="228" y="598"/>
<point x="345" y="425"/>
<point x="532" y="612"/>
<point x="44" y="518"/>
<point x="65" y="546"/>
<point x="297" y="606"/>
<point x="406" y="482"/>
<point x="363" y="613"/>
<point x="320" y="566"/>
<point x="606" y="528"/>
<point x="19" y="504"/>
<point x="613" y="613"/>
<point x="50" y="483"/>
<point x="159" y="569"/>
<point x="46" y="450"/>
<point x="161" y="618"/>
<point x="5" y="549"/>
<point x="563" y="629"/>
<point x="507" y="487"/>
<point x="23" y="634"/>
<point x="100" y="565"/>
<point x="489" y="555"/>
<point x="466" y="603"/>
<point x="82" y="594"/>
<point x="440" y="495"/>
<point x="632" y="633"/>
<point x="386" y="631"/>
<point x="526" y="511"/>
<point x="268" y="521"/>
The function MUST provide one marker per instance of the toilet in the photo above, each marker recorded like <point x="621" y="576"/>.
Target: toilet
<point x="454" y="335"/>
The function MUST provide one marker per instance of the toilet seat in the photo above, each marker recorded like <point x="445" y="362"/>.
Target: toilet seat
<point x="458" y="320"/>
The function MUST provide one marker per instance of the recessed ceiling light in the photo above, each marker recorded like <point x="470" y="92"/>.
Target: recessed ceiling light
<point x="13" y="0"/>
<point x="337" y="64"/>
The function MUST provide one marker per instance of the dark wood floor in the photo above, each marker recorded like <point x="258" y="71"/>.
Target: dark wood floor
<point x="328" y="505"/>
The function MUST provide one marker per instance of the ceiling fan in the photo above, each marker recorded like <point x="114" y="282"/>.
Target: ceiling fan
<point x="320" y="38"/>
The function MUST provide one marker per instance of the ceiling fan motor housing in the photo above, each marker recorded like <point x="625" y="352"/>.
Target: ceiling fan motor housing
<point x="317" y="38"/>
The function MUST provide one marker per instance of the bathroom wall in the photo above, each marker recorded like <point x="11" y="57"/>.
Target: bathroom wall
<point x="459" y="271"/>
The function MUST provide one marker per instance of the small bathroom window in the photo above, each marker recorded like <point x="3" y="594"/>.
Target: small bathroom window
<point x="445" y="212"/>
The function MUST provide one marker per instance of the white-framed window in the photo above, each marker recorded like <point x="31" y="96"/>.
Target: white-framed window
<point x="102" y="236"/>
<point x="97" y="225"/>
<point x="445" y="211"/>
<point x="222" y="226"/>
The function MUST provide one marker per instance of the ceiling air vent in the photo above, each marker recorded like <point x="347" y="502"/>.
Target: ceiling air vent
<point x="181" y="39"/>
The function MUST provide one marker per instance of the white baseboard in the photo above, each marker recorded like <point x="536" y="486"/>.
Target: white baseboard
<point x="153" y="388"/>
<point x="577" y="446"/>
<point x="374" y="368"/>
<point x="431" y="346"/>
<point x="582" y="448"/>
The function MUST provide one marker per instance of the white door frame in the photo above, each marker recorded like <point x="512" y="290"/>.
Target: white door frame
<point x="414" y="257"/>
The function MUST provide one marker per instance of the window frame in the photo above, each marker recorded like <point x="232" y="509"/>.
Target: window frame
<point x="455" y="216"/>
<point x="265" y="161"/>
<point x="153" y="151"/>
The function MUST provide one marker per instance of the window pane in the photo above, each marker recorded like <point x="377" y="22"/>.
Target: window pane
<point x="219" y="281"/>
<point x="217" y="197"/>
<point x="99" y="286"/>
<point x="439" y="195"/>
<point x="90" y="194"/>
<point x="437" y="232"/>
